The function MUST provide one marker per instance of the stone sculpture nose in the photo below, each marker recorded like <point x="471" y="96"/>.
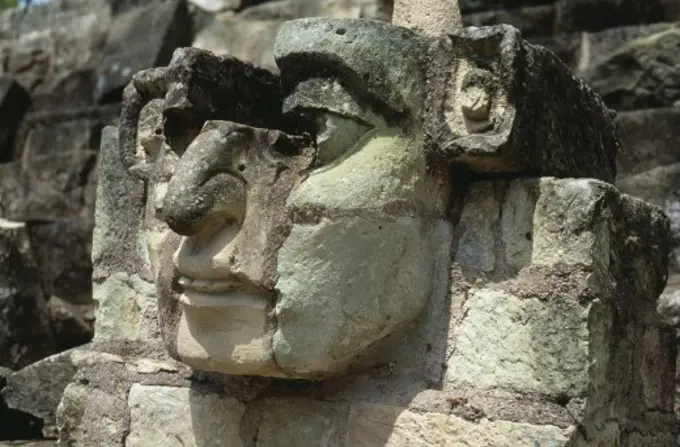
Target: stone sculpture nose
<point x="206" y="188"/>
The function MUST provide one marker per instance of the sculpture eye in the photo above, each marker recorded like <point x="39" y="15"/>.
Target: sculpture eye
<point x="337" y="134"/>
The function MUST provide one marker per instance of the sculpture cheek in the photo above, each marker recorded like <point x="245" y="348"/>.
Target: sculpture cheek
<point x="346" y="283"/>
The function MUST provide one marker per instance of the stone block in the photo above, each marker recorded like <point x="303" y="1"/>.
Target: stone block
<point x="125" y="308"/>
<point x="248" y="40"/>
<point x="118" y="213"/>
<point x="89" y="417"/>
<point x="660" y="187"/>
<point x="371" y="425"/>
<point x="505" y="129"/>
<point x="55" y="185"/>
<point x="583" y="50"/>
<point x="644" y="73"/>
<point x="535" y="346"/>
<point x="141" y="36"/>
<point x="567" y="310"/>
<point x="38" y="388"/>
<point x="288" y="422"/>
<point x="648" y="140"/>
<point x="14" y="102"/>
<point x="179" y="416"/>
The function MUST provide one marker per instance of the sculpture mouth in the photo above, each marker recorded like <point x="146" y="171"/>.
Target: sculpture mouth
<point x="219" y="293"/>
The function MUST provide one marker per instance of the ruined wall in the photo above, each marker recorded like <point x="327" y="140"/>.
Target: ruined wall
<point x="70" y="60"/>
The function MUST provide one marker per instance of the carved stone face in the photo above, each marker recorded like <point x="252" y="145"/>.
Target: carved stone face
<point x="278" y="256"/>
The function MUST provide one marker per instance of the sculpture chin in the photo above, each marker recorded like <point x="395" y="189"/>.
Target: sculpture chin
<point x="228" y="334"/>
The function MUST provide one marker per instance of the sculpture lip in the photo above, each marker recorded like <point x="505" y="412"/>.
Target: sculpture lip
<point x="210" y="285"/>
<point x="192" y="298"/>
<point x="220" y="293"/>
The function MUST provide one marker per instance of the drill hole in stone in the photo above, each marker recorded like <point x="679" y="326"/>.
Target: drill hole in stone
<point x="241" y="167"/>
<point x="340" y="31"/>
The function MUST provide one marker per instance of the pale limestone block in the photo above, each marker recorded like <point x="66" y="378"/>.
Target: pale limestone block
<point x="91" y="417"/>
<point x="373" y="425"/>
<point x="126" y="308"/>
<point x="302" y="422"/>
<point x="571" y="223"/>
<point x="476" y="245"/>
<point x="346" y="283"/>
<point x="521" y="344"/>
<point x="170" y="416"/>
<point x="429" y="17"/>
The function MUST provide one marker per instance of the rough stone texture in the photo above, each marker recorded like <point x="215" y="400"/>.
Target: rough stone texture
<point x="643" y="73"/>
<point x="25" y="332"/>
<point x="118" y="213"/>
<point x="130" y="47"/>
<point x="660" y="186"/>
<point x="126" y="308"/>
<point x="573" y="234"/>
<point x="179" y="416"/>
<point x="250" y="40"/>
<point x="47" y="46"/>
<point x="371" y="425"/>
<point x="38" y="388"/>
<point x="427" y="17"/>
<point x="648" y="140"/>
<point x="509" y="131"/>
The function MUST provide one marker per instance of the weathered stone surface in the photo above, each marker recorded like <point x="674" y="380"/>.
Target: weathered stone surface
<point x="382" y="294"/>
<point x="571" y="238"/>
<point x="509" y="131"/>
<point x="392" y="76"/>
<point x="526" y="352"/>
<point x="248" y="40"/>
<point x="371" y="425"/>
<point x="118" y="213"/>
<point x="648" y="140"/>
<point x="14" y="102"/>
<point x="141" y="37"/>
<point x="430" y="18"/>
<point x="582" y="50"/>
<point x="92" y="417"/>
<point x="125" y="308"/>
<point x="38" y="388"/>
<point x="299" y="421"/>
<point x="643" y="73"/>
<point x="169" y="416"/>
<point x="25" y="332"/>
<point x="660" y="186"/>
